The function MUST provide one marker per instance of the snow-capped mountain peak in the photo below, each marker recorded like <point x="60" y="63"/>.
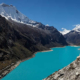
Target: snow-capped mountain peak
<point x="10" y="12"/>
<point x="65" y="31"/>
<point x="5" y="5"/>
<point x="77" y="28"/>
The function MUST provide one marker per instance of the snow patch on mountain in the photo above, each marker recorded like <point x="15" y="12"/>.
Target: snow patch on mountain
<point x="77" y="28"/>
<point x="65" y="31"/>
<point x="10" y="12"/>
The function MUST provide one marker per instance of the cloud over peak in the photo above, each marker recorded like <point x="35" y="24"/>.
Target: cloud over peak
<point x="77" y="28"/>
<point x="64" y="31"/>
<point x="47" y="24"/>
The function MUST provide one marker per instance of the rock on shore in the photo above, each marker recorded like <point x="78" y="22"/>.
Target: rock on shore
<point x="8" y="69"/>
<point x="71" y="72"/>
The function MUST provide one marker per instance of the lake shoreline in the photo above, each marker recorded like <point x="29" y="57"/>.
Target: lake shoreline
<point x="8" y="69"/>
<point x="34" y="54"/>
<point x="12" y="67"/>
<point x="66" y="71"/>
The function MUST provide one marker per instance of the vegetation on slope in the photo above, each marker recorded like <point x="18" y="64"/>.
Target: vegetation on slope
<point x="19" y="41"/>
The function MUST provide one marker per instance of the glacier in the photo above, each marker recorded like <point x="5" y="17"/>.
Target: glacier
<point x="10" y="12"/>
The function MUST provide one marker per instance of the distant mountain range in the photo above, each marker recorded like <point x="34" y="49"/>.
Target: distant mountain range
<point x="73" y="36"/>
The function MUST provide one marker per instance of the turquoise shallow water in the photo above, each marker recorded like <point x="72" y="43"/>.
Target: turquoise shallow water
<point x="44" y="64"/>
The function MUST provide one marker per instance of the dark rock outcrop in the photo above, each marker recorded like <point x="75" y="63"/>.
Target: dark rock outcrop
<point x="73" y="37"/>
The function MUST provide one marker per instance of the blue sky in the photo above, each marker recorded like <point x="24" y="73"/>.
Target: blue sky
<point x="57" y="13"/>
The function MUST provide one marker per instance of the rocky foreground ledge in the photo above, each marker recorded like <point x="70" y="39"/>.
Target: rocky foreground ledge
<point x="71" y="72"/>
<point x="8" y="69"/>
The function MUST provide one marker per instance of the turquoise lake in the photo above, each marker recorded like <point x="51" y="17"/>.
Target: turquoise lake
<point x="44" y="64"/>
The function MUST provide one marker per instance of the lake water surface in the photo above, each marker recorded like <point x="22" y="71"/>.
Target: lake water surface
<point x="44" y="64"/>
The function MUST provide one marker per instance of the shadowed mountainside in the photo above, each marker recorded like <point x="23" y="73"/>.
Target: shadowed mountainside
<point x="19" y="41"/>
<point x="73" y="37"/>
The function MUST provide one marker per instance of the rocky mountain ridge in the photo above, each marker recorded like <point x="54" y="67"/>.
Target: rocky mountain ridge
<point x="20" y="41"/>
<point x="73" y="37"/>
<point x="70" y="72"/>
<point x="11" y="13"/>
<point x="21" y="37"/>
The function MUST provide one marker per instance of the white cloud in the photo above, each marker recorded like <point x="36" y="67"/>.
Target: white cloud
<point x="47" y="24"/>
<point x="65" y="31"/>
<point x="77" y="27"/>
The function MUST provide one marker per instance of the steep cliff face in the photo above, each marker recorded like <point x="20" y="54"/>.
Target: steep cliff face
<point x="19" y="41"/>
<point x="55" y="35"/>
<point x="71" y="72"/>
<point x="10" y="12"/>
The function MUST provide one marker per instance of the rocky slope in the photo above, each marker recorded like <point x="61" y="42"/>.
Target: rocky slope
<point x="73" y="37"/>
<point x="71" y="72"/>
<point x="20" y="37"/>
<point x="19" y="41"/>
